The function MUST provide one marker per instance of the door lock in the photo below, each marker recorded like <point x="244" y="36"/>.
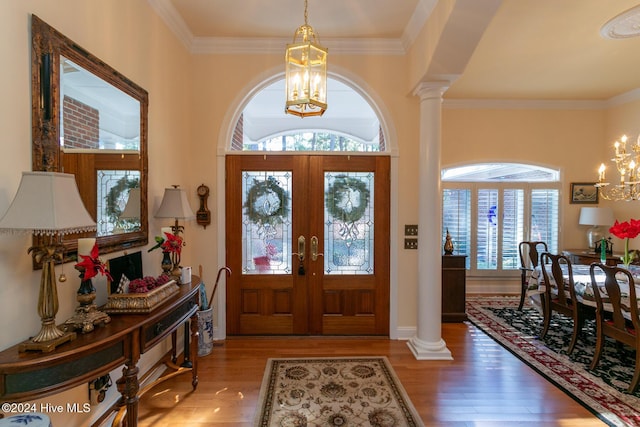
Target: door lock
<point x="301" y="248"/>
<point x="314" y="249"/>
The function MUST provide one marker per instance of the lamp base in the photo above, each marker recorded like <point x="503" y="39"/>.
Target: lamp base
<point x="46" y="346"/>
<point x="594" y="235"/>
<point x="87" y="317"/>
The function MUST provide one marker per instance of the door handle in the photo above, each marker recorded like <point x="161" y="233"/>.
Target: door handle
<point x="301" y="248"/>
<point x="314" y="249"/>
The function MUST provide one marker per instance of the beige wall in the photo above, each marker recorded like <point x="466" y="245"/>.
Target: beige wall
<point x="195" y="98"/>
<point x="621" y="120"/>
<point x="130" y="37"/>
<point x="567" y="140"/>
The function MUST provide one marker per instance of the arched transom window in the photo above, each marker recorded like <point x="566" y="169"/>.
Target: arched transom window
<point x="349" y="124"/>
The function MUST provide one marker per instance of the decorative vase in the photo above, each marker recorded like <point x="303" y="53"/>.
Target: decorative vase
<point x="205" y="329"/>
<point x="167" y="264"/>
<point x="448" y="244"/>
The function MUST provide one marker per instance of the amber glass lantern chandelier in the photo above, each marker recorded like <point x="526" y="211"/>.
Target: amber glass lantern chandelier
<point x="628" y="167"/>
<point x="306" y="73"/>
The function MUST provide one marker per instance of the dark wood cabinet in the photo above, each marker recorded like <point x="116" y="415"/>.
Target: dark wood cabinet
<point x="454" y="277"/>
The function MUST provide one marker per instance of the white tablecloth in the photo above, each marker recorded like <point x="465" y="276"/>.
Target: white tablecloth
<point x="582" y="283"/>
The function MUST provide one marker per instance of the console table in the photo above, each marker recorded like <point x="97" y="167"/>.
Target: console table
<point x="31" y="375"/>
<point x="454" y="282"/>
<point x="586" y="257"/>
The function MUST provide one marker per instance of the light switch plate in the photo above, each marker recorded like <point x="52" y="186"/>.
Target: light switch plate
<point x="411" y="229"/>
<point x="410" y="243"/>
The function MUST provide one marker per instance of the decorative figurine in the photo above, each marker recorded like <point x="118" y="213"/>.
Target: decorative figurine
<point x="448" y="244"/>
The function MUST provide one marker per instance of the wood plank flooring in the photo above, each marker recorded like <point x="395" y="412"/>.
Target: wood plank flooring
<point x="484" y="385"/>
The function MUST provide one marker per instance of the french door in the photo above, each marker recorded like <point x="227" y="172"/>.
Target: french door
<point x="307" y="240"/>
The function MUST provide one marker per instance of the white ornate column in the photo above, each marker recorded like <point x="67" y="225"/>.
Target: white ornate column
<point x="428" y="344"/>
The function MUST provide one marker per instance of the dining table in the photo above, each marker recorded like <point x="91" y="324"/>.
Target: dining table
<point x="582" y="285"/>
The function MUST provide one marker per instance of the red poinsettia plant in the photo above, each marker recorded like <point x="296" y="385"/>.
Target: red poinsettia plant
<point x="92" y="265"/>
<point x="172" y="244"/>
<point x="626" y="230"/>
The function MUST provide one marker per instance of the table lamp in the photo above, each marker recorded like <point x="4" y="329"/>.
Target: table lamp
<point x="596" y="217"/>
<point x="175" y="205"/>
<point x="47" y="204"/>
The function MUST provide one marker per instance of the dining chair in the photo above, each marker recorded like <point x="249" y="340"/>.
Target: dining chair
<point x="529" y="252"/>
<point x="618" y="319"/>
<point x="559" y="294"/>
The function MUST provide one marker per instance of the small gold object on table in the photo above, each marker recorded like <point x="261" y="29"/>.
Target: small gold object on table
<point x="448" y="244"/>
<point x="140" y="302"/>
<point x="87" y="315"/>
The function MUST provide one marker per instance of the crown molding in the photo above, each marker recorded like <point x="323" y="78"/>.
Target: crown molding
<point x="231" y="45"/>
<point x="535" y="104"/>
<point x="625" y="98"/>
<point x="417" y="22"/>
<point x="524" y="104"/>
<point x="171" y="17"/>
<point x="337" y="46"/>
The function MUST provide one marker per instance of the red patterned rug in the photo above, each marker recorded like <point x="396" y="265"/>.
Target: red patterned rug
<point x="602" y="390"/>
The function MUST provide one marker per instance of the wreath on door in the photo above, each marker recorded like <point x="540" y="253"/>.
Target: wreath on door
<point x="347" y="198"/>
<point x="267" y="202"/>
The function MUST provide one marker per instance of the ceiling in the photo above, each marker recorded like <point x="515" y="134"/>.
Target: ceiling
<point x="532" y="49"/>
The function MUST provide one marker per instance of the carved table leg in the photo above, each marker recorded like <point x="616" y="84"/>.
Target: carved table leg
<point x="128" y="387"/>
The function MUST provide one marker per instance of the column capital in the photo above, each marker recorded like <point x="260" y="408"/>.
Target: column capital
<point x="430" y="90"/>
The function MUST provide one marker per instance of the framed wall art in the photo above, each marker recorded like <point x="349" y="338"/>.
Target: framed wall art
<point x="584" y="193"/>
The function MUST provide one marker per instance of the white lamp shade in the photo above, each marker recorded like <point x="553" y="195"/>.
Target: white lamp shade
<point x="132" y="208"/>
<point x="175" y="205"/>
<point x="47" y="203"/>
<point x="596" y="216"/>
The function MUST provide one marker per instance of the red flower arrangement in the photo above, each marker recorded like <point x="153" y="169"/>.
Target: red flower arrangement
<point x="626" y="230"/>
<point x="172" y="244"/>
<point x="91" y="265"/>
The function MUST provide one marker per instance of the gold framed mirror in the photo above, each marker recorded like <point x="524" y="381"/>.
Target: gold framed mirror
<point x="91" y="121"/>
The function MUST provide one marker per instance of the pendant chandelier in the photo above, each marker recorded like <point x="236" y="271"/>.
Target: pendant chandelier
<point x="306" y="73"/>
<point x="628" y="166"/>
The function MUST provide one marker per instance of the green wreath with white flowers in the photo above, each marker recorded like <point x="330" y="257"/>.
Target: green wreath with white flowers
<point x="267" y="202"/>
<point x="338" y="196"/>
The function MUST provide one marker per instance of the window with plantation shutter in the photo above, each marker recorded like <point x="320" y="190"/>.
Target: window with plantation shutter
<point x="489" y="217"/>
<point x="456" y="218"/>
<point x="544" y="217"/>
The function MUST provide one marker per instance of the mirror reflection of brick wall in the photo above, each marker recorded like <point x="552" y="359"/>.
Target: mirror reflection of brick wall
<point x="81" y="124"/>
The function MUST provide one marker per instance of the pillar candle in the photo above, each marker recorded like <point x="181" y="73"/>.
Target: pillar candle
<point x="85" y="245"/>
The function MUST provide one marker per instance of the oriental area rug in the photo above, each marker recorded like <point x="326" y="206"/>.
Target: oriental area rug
<point x="336" y="391"/>
<point x="602" y="390"/>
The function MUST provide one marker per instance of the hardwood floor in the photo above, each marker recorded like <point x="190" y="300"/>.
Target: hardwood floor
<point x="484" y="385"/>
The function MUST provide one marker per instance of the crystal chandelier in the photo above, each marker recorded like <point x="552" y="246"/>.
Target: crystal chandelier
<point x="306" y="73"/>
<point x="628" y="166"/>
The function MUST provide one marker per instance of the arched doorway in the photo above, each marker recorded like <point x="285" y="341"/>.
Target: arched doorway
<point x="307" y="232"/>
